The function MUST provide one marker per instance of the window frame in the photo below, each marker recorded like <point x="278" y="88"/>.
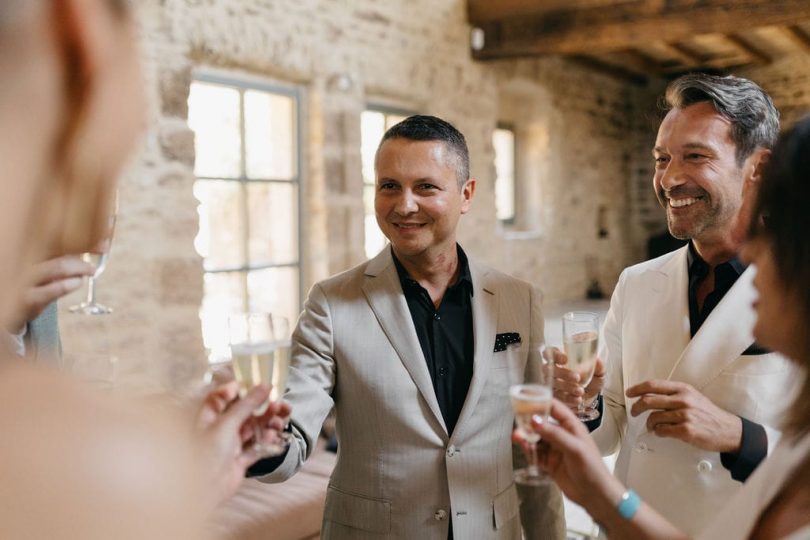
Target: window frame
<point x="243" y="84"/>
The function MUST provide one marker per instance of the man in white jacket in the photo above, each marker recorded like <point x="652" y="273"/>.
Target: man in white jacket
<point x="689" y="399"/>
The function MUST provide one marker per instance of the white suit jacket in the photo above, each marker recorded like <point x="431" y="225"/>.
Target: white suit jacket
<point x="647" y="336"/>
<point x="398" y="473"/>
<point x="739" y="517"/>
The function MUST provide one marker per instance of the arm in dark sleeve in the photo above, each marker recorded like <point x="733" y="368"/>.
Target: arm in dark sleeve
<point x="753" y="449"/>
<point x="269" y="464"/>
<point x="596" y="422"/>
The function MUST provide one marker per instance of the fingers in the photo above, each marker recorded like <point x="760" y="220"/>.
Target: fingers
<point x="567" y="419"/>
<point x="69" y="266"/>
<point x="649" y="402"/>
<point x="42" y="295"/>
<point x="243" y="409"/>
<point x="600" y="369"/>
<point x="666" y="418"/>
<point x="655" y="386"/>
<point x="557" y="356"/>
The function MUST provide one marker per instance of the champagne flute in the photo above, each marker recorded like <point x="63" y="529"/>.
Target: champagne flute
<point x="531" y="400"/>
<point x="98" y="258"/>
<point x="581" y="341"/>
<point x="260" y="354"/>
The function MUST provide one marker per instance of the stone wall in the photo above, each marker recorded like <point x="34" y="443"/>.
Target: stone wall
<point x="587" y="137"/>
<point x="788" y="82"/>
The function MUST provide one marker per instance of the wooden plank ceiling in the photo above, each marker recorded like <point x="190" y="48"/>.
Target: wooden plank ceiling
<point x="636" y="39"/>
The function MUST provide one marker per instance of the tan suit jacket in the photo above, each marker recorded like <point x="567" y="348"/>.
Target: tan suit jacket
<point x="647" y="336"/>
<point x="399" y="474"/>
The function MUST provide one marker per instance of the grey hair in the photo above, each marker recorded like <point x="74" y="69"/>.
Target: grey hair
<point x="753" y="116"/>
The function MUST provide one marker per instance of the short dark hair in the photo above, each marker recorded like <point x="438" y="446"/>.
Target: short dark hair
<point x="430" y="128"/>
<point x="782" y="219"/>
<point x="753" y="116"/>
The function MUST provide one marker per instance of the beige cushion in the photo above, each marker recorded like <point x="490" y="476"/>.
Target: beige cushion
<point x="289" y="511"/>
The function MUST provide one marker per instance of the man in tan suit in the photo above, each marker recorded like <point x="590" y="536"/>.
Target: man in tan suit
<point x="409" y="349"/>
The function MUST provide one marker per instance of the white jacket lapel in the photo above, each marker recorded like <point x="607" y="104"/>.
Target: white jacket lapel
<point x="384" y="294"/>
<point x="722" y="338"/>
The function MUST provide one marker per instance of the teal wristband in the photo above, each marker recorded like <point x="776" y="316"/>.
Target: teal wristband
<point x="629" y="504"/>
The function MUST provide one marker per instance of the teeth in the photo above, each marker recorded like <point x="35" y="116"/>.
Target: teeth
<point x="679" y="203"/>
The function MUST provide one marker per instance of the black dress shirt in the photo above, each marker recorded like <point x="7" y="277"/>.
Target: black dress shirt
<point x="754" y="445"/>
<point x="445" y="336"/>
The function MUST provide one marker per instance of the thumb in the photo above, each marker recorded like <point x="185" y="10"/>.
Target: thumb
<point x="243" y="409"/>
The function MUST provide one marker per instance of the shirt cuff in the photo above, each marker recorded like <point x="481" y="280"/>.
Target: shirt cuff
<point x="17" y="341"/>
<point x="596" y="422"/>
<point x="753" y="449"/>
<point x="267" y="465"/>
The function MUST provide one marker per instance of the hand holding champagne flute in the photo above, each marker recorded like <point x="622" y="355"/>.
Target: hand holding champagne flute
<point x="260" y="354"/>
<point x="98" y="258"/>
<point x="581" y="342"/>
<point x="531" y="397"/>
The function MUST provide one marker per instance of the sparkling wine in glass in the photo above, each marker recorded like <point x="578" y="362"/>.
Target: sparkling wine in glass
<point x="531" y="396"/>
<point x="581" y="341"/>
<point x="260" y="354"/>
<point x="98" y="258"/>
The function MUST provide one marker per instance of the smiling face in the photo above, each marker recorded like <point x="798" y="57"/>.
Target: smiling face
<point x="697" y="178"/>
<point x="418" y="201"/>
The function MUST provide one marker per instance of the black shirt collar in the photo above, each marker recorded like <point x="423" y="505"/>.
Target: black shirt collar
<point x="464" y="276"/>
<point x="697" y="266"/>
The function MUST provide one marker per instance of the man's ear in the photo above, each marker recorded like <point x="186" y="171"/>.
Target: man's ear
<point x="467" y="194"/>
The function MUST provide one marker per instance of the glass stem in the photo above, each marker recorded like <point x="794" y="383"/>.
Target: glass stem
<point x="532" y="459"/>
<point x="91" y="291"/>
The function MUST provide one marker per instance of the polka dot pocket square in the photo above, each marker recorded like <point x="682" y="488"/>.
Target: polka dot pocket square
<point x="502" y="341"/>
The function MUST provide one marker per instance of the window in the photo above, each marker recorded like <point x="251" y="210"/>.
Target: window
<point x="374" y="122"/>
<point x="248" y="186"/>
<point x="503" y="140"/>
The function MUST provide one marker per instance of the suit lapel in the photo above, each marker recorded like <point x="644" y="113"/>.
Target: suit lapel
<point x="383" y="292"/>
<point x="485" y="320"/>
<point x="662" y="317"/>
<point x="722" y="338"/>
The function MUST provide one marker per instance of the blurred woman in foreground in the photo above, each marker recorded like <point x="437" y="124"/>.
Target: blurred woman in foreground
<point x="775" y="501"/>
<point x="73" y="464"/>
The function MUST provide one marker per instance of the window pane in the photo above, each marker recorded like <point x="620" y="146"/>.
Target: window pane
<point x="269" y="135"/>
<point x="372" y="128"/>
<point x="275" y="290"/>
<point x="503" y="140"/>
<point x="273" y="214"/>
<point x="224" y="294"/>
<point x="221" y="238"/>
<point x="213" y="114"/>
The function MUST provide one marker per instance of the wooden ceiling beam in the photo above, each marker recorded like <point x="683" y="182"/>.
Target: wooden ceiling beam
<point x="621" y="25"/>
<point x="745" y="46"/>
<point x="616" y="72"/>
<point x="484" y="11"/>
<point x="798" y="37"/>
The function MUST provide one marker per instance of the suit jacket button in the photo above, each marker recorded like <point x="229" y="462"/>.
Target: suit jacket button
<point x="451" y="451"/>
<point x="440" y="515"/>
<point x="641" y="447"/>
<point x="704" y="466"/>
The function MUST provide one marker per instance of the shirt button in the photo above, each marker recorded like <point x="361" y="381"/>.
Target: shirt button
<point x="440" y="515"/>
<point x="704" y="466"/>
<point x="451" y="451"/>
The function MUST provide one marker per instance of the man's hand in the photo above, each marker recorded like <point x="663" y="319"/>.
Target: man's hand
<point x="566" y="381"/>
<point x="49" y="281"/>
<point x="681" y="412"/>
<point x="227" y="426"/>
